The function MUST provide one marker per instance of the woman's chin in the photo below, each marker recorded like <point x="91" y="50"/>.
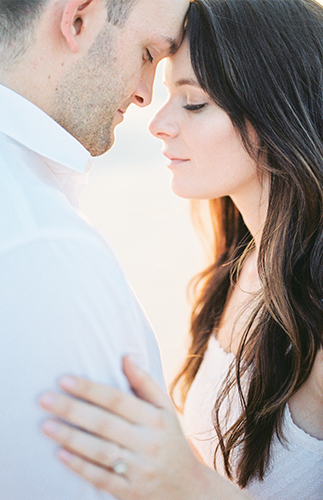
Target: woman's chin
<point x="189" y="192"/>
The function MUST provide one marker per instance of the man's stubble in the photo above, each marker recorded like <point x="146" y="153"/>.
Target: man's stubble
<point x="89" y="95"/>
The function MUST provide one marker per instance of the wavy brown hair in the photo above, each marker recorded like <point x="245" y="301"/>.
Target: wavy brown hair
<point x="262" y="62"/>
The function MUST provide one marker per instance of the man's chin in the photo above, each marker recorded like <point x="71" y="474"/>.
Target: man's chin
<point x="99" y="147"/>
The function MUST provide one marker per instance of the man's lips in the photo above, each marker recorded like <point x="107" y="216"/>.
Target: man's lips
<point x="125" y="106"/>
<point x="120" y="113"/>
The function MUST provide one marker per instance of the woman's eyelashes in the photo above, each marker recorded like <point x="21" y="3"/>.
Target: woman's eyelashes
<point x="195" y="107"/>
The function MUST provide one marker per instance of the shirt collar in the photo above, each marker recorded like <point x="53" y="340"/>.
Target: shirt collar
<point x="27" y="124"/>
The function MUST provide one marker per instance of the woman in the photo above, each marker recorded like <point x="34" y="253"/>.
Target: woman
<point x="243" y="128"/>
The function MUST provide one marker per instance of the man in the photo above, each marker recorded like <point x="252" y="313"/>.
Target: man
<point x="69" y="69"/>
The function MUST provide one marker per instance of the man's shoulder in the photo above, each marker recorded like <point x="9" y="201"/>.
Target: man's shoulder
<point x="33" y="206"/>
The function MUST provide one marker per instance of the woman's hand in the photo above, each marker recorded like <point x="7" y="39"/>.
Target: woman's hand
<point x="131" y="447"/>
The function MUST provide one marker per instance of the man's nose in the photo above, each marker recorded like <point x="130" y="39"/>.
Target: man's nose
<point x="143" y="94"/>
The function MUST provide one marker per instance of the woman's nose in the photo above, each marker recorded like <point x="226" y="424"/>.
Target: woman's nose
<point x="163" y="125"/>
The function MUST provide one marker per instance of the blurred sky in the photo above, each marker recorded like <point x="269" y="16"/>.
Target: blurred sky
<point x="129" y="200"/>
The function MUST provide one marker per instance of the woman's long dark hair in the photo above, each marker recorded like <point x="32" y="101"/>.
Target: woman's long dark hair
<point x="262" y="62"/>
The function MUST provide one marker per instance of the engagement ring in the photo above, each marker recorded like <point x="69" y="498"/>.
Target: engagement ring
<point x="120" y="467"/>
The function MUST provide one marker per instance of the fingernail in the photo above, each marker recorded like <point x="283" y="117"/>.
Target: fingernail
<point x="68" y="382"/>
<point x="65" y="456"/>
<point x="48" y="400"/>
<point x="50" y="427"/>
<point x="132" y="360"/>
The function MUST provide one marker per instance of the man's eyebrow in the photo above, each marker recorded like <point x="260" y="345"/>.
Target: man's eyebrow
<point x="187" y="81"/>
<point x="173" y="44"/>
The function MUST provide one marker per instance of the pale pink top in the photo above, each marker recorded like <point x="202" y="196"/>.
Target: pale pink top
<point x="296" y="469"/>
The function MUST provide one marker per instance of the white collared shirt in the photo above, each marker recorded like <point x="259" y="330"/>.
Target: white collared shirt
<point x="65" y="306"/>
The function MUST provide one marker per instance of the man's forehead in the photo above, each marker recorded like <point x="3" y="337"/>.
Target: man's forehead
<point x="164" y="20"/>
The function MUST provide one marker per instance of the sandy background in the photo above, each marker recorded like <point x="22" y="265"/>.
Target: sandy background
<point x="129" y="200"/>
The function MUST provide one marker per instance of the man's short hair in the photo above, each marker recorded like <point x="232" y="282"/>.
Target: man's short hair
<point x="18" y="17"/>
<point x="119" y="10"/>
<point x="16" y="21"/>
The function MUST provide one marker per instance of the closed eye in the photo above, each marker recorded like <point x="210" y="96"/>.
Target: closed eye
<point x="194" y="107"/>
<point x="149" y="57"/>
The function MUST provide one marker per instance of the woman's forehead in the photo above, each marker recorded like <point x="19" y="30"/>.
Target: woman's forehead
<point x="178" y="66"/>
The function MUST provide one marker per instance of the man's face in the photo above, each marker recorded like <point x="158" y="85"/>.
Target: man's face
<point x="117" y="71"/>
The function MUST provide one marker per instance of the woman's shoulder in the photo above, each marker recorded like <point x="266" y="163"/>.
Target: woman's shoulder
<point x="306" y="405"/>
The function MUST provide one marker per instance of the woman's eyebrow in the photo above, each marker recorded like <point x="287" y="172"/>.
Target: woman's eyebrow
<point x="186" y="81"/>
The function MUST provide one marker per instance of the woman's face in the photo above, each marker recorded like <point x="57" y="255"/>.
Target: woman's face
<point x="206" y="155"/>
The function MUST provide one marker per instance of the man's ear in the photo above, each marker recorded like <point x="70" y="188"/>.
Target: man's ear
<point x="73" y="18"/>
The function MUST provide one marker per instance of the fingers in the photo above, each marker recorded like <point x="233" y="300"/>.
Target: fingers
<point x="92" y="418"/>
<point x="102" y="479"/>
<point x="125" y="405"/>
<point x="144" y="386"/>
<point x="92" y="448"/>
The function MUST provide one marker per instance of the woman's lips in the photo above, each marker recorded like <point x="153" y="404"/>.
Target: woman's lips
<point x="175" y="161"/>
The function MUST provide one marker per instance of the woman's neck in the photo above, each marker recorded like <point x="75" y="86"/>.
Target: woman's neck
<point x="252" y="205"/>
